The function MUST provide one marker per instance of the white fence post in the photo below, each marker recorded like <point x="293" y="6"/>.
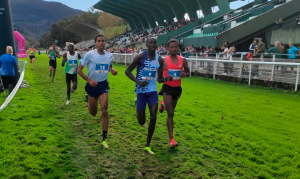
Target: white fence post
<point x="214" y="70"/>
<point x="125" y="58"/>
<point x="273" y="68"/>
<point x="250" y="70"/>
<point x="191" y="68"/>
<point x="297" y="79"/>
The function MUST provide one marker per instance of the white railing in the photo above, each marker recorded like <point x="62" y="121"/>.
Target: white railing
<point x="12" y="94"/>
<point x="258" y="69"/>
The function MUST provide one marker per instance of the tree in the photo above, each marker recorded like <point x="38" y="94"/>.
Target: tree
<point x="107" y="20"/>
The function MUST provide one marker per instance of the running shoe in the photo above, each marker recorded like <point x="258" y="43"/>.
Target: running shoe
<point x="104" y="144"/>
<point x="53" y="80"/>
<point x="50" y="74"/>
<point x="68" y="102"/>
<point x="162" y="107"/>
<point x="86" y="97"/>
<point x="173" y="144"/>
<point x="149" y="151"/>
<point x="134" y="101"/>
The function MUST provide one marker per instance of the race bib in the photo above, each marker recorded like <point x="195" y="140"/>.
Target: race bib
<point x="73" y="62"/>
<point x="32" y="54"/>
<point x="149" y="74"/>
<point x="101" y="68"/>
<point x="52" y="58"/>
<point x="175" y="74"/>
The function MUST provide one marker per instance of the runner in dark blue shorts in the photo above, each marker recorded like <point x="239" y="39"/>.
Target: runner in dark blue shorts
<point x="147" y="63"/>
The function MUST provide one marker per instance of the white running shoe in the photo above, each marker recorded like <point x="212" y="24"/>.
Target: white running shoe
<point x="68" y="102"/>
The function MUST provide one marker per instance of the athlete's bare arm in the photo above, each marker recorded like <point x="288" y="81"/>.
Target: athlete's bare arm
<point x="136" y="61"/>
<point x="93" y="83"/>
<point x="64" y="60"/>
<point x="160" y="71"/>
<point x="186" y="68"/>
<point x="112" y="70"/>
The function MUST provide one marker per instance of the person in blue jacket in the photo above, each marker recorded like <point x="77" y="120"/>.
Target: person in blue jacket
<point x="7" y="71"/>
<point x="292" y="52"/>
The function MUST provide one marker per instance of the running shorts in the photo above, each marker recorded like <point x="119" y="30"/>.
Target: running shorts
<point x="142" y="98"/>
<point x="31" y="57"/>
<point x="100" y="89"/>
<point x="175" y="92"/>
<point x="71" y="77"/>
<point x="53" y="63"/>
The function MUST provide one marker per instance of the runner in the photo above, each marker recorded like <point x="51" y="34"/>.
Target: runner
<point x="171" y="90"/>
<point x="99" y="63"/>
<point x="31" y="51"/>
<point x="71" y="58"/>
<point x="147" y="63"/>
<point x="52" y="54"/>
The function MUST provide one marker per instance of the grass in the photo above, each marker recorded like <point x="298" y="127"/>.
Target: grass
<point x="41" y="137"/>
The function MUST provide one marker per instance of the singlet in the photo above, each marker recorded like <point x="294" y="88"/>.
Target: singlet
<point x="175" y="70"/>
<point x="147" y="71"/>
<point x="52" y="55"/>
<point x="72" y="63"/>
<point x="32" y="52"/>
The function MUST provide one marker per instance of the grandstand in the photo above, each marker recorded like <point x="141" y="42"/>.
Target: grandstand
<point x="255" y="19"/>
<point x="86" y="31"/>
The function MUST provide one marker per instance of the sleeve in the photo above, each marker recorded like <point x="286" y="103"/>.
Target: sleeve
<point x="85" y="59"/>
<point x="271" y="50"/>
<point x="295" y="49"/>
<point x="110" y="60"/>
<point x="250" y="47"/>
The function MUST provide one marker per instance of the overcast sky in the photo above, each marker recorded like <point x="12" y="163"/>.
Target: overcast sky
<point x="84" y="5"/>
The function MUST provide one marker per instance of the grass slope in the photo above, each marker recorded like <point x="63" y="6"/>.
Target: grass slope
<point x="41" y="137"/>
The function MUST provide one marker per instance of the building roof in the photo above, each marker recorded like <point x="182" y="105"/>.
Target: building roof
<point x="86" y="31"/>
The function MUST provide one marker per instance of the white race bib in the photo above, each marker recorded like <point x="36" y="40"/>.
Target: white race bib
<point x="148" y="74"/>
<point x="175" y="73"/>
<point x="101" y="68"/>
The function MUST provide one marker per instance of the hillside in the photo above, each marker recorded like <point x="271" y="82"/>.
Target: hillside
<point x="36" y="16"/>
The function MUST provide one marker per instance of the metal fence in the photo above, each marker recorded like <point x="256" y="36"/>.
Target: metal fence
<point x="269" y="69"/>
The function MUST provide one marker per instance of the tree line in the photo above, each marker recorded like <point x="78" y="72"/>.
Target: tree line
<point x="112" y="25"/>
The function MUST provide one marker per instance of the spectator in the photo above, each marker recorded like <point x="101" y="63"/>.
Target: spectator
<point x="261" y="48"/>
<point x="298" y="21"/>
<point x="207" y="51"/>
<point x="278" y="50"/>
<point x="226" y="45"/>
<point x="279" y="23"/>
<point x="252" y="46"/>
<point x="292" y="52"/>
<point x="7" y="71"/>
<point x="191" y="49"/>
<point x="225" y="57"/>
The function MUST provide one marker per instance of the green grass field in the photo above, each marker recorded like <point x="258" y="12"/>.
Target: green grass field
<point x="41" y="137"/>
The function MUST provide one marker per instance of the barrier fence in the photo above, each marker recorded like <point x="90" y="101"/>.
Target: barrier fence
<point x="266" y="69"/>
<point x="22" y="67"/>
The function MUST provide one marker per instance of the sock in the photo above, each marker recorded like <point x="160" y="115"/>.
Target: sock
<point x="104" y="135"/>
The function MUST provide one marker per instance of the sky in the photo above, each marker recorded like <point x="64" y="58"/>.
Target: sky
<point x="84" y="5"/>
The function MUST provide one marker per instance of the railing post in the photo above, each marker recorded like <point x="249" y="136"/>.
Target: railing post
<point x="214" y="70"/>
<point x="125" y="58"/>
<point x="196" y="55"/>
<point x="273" y="68"/>
<point x="191" y="68"/>
<point x="250" y="74"/>
<point x="117" y="58"/>
<point x="297" y="79"/>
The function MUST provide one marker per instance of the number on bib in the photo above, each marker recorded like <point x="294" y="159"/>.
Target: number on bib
<point x="175" y="74"/>
<point x="101" y="68"/>
<point x="73" y="62"/>
<point x="148" y="74"/>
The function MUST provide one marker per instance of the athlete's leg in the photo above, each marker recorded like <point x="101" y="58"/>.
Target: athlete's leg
<point x="140" y="108"/>
<point x="103" y="100"/>
<point x="51" y="69"/>
<point x="74" y="82"/>
<point x="68" y="81"/>
<point x="170" y="105"/>
<point x="92" y="105"/>
<point x="153" y="111"/>
<point x="54" y="70"/>
<point x="32" y="64"/>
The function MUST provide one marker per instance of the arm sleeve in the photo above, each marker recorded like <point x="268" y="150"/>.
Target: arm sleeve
<point x="250" y="47"/>
<point x="270" y="50"/>
<point x="111" y="60"/>
<point x="85" y="59"/>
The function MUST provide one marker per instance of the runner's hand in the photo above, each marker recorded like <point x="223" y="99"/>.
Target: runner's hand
<point x="93" y="83"/>
<point x="143" y="83"/>
<point x="114" y="72"/>
<point x="169" y="78"/>
<point x="182" y="75"/>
